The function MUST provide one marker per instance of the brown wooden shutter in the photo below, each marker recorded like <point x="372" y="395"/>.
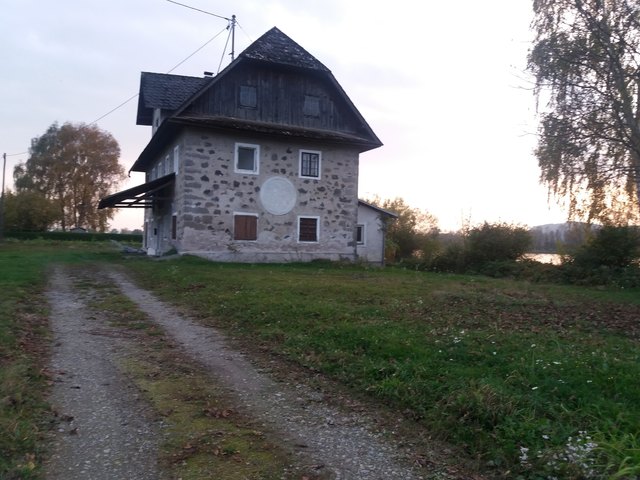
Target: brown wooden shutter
<point x="245" y="227"/>
<point x="308" y="230"/>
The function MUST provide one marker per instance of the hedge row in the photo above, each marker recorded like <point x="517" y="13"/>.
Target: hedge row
<point x="86" y="237"/>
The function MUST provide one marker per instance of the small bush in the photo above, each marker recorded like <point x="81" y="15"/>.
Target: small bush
<point x="451" y="259"/>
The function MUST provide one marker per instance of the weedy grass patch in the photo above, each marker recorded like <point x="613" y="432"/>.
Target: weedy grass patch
<point x="23" y="344"/>
<point x="205" y="437"/>
<point x="535" y="380"/>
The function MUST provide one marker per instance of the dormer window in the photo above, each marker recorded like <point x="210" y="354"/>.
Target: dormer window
<point x="311" y="107"/>
<point x="248" y="97"/>
<point x="246" y="160"/>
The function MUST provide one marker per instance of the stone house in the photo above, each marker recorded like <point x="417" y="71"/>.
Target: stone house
<point x="256" y="164"/>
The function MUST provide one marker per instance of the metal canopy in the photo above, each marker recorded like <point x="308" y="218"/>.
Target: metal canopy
<point x="142" y="196"/>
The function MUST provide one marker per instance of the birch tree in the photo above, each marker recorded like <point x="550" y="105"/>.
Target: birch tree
<point x="585" y="60"/>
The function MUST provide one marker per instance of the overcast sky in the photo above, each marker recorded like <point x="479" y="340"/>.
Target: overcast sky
<point x="442" y="84"/>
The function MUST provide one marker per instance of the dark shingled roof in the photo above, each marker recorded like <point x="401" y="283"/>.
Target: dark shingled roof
<point x="275" y="47"/>
<point x="165" y="91"/>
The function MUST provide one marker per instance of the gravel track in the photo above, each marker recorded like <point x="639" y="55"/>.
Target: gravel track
<point x="340" y="443"/>
<point x="107" y="431"/>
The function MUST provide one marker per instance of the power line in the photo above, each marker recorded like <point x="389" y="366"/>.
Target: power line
<point x="114" y="109"/>
<point x="198" y="10"/>
<point x="200" y="48"/>
<point x="224" y="50"/>
<point x="169" y="71"/>
<point x="245" y="33"/>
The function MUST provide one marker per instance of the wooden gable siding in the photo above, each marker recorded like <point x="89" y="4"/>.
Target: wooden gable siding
<point x="280" y="100"/>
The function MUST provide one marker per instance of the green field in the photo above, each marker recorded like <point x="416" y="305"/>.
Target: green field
<point x="539" y="381"/>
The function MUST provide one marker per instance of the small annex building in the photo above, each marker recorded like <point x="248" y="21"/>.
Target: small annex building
<point x="256" y="164"/>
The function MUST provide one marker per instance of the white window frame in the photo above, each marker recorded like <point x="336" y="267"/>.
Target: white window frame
<point x="363" y="237"/>
<point x="317" y="218"/>
<point x="313" y="152"/>
<point x="167" y="165"/>
<point x="245" y="214"/>
<point x="256" y="159"/>
<point x="176" y="159"/>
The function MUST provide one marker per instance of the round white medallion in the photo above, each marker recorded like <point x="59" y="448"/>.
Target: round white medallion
<point x="278" y="195"/>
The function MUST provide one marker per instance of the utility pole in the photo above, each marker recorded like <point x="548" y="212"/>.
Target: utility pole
<point x="233" y="37"/>
<point x="4" y="167"/>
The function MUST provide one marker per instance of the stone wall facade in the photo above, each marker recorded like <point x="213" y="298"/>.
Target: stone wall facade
<point x="209" y="191"/>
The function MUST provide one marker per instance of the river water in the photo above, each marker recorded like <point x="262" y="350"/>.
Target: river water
<point x="552" y="258"/>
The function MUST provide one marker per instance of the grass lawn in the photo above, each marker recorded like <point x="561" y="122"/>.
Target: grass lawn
<point x="23" y="346"/>
<point x="536" y="381"/>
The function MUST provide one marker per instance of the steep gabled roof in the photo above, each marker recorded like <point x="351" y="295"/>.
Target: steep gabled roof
<point x="276" y="47"/>
<point x="272" y="48"/>
<point x="164" y="91"/>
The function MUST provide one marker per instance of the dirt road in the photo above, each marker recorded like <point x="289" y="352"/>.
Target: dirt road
<point x="107" y="430"/>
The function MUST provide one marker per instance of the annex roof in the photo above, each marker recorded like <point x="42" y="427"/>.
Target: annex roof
<point x="140" y="196"/>
<point x="164" y="91"/>
<point x="378" y="209"/>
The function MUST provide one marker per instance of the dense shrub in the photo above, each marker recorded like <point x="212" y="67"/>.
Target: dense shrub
<point x="488" y="248"/>
<point x="612" y="247"/>
<point x="452" y="258"/>
<point x="609" y="257"/>
<point x="496" y="242"/>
